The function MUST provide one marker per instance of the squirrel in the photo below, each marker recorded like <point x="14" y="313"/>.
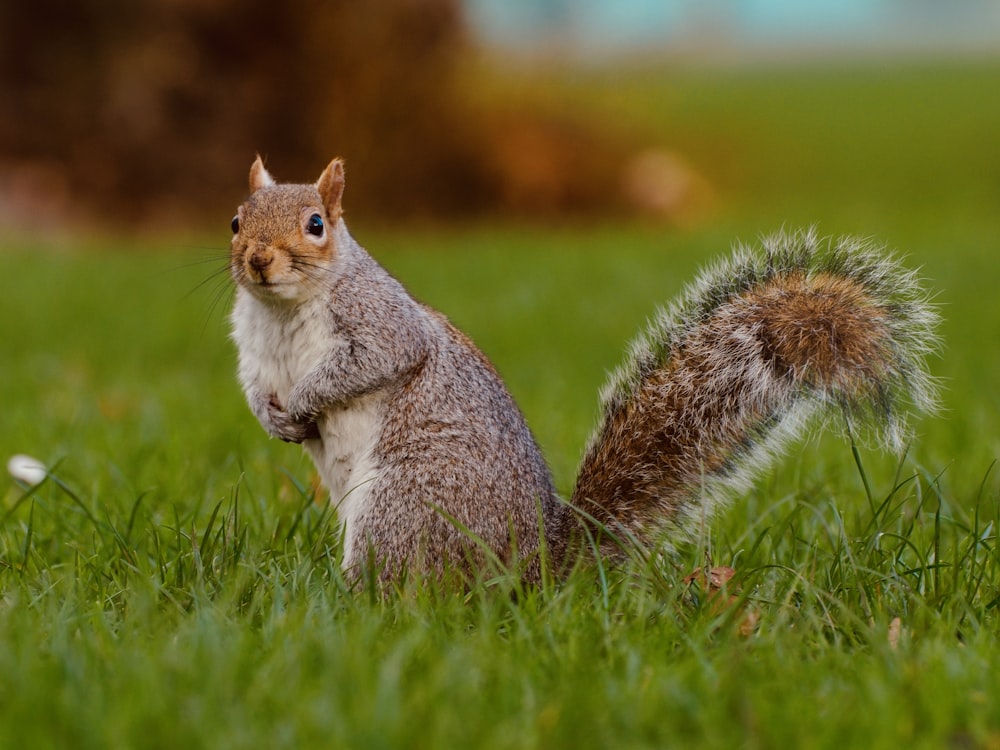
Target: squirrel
<point x="431" y="465"/>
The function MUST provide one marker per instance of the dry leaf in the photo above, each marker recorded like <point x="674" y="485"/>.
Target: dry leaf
<point x="713" y="580"/>
<point x="895" y="630"/>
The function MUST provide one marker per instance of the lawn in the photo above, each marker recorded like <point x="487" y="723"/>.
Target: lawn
<point x="174" y="584"/>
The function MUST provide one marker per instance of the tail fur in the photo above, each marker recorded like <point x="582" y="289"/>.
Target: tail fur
<point x="755" y="350"/>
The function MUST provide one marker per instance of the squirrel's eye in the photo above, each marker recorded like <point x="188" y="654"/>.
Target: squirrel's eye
<point x="236" y="224"/>
<point x="315" y="225"/>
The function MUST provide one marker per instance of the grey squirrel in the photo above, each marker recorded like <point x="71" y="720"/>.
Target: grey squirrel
<point x="429" y="461"/>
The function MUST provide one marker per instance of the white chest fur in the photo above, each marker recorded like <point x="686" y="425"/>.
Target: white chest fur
<point x="345" y="458"/>
<point x="277" y="347"/>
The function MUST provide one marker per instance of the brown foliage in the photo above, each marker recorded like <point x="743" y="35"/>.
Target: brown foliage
<point x="715" y="582"/>
<point x="144" y="111"/>
<point x="149" y="113"/>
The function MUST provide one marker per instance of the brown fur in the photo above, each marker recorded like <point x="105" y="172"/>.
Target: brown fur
<point x="824" y="331"/>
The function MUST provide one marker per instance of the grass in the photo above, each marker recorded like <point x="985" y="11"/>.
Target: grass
<point x="173" y="582"/>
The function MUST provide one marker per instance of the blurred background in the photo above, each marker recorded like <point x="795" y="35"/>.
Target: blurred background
<point x="713" y="28"/>
<point x="147" y="114"/>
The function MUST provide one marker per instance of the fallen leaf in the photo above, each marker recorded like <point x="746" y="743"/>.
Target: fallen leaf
<point x="895" y="630"/>
<point x="713" y="580"/>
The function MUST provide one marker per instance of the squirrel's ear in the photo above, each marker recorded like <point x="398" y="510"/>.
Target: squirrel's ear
<point x="331" y="187"/>
<point x="259" y="177"/>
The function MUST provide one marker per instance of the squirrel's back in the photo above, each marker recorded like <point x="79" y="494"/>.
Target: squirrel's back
<point x="460" y="471"/>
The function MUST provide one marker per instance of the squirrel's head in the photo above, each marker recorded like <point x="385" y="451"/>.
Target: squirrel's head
<point x="283" y="235"/>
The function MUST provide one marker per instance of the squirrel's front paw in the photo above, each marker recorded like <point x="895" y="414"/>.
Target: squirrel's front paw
<point x="282" y="425"/>
<point x="300" y="405"/>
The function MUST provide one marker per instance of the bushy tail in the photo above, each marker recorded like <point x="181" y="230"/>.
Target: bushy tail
<point x="755" y="348"/>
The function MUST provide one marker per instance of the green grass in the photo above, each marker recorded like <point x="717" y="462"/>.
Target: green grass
<point x="174" y="584"/>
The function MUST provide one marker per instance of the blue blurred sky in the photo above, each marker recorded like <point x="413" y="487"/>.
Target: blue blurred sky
<point x="621" y="25"/>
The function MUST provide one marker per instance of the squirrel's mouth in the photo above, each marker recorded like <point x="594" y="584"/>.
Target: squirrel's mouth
<point x="252" y="280"/>
<point x="246" y="275"/>
<point x="260" y="278"/>
<point x="269" y="288"/>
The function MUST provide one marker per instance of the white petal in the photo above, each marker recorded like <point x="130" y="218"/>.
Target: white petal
<point x="26" y="469"/>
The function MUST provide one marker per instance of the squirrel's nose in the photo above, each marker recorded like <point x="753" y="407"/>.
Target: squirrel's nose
<point x="259" y="260"/>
